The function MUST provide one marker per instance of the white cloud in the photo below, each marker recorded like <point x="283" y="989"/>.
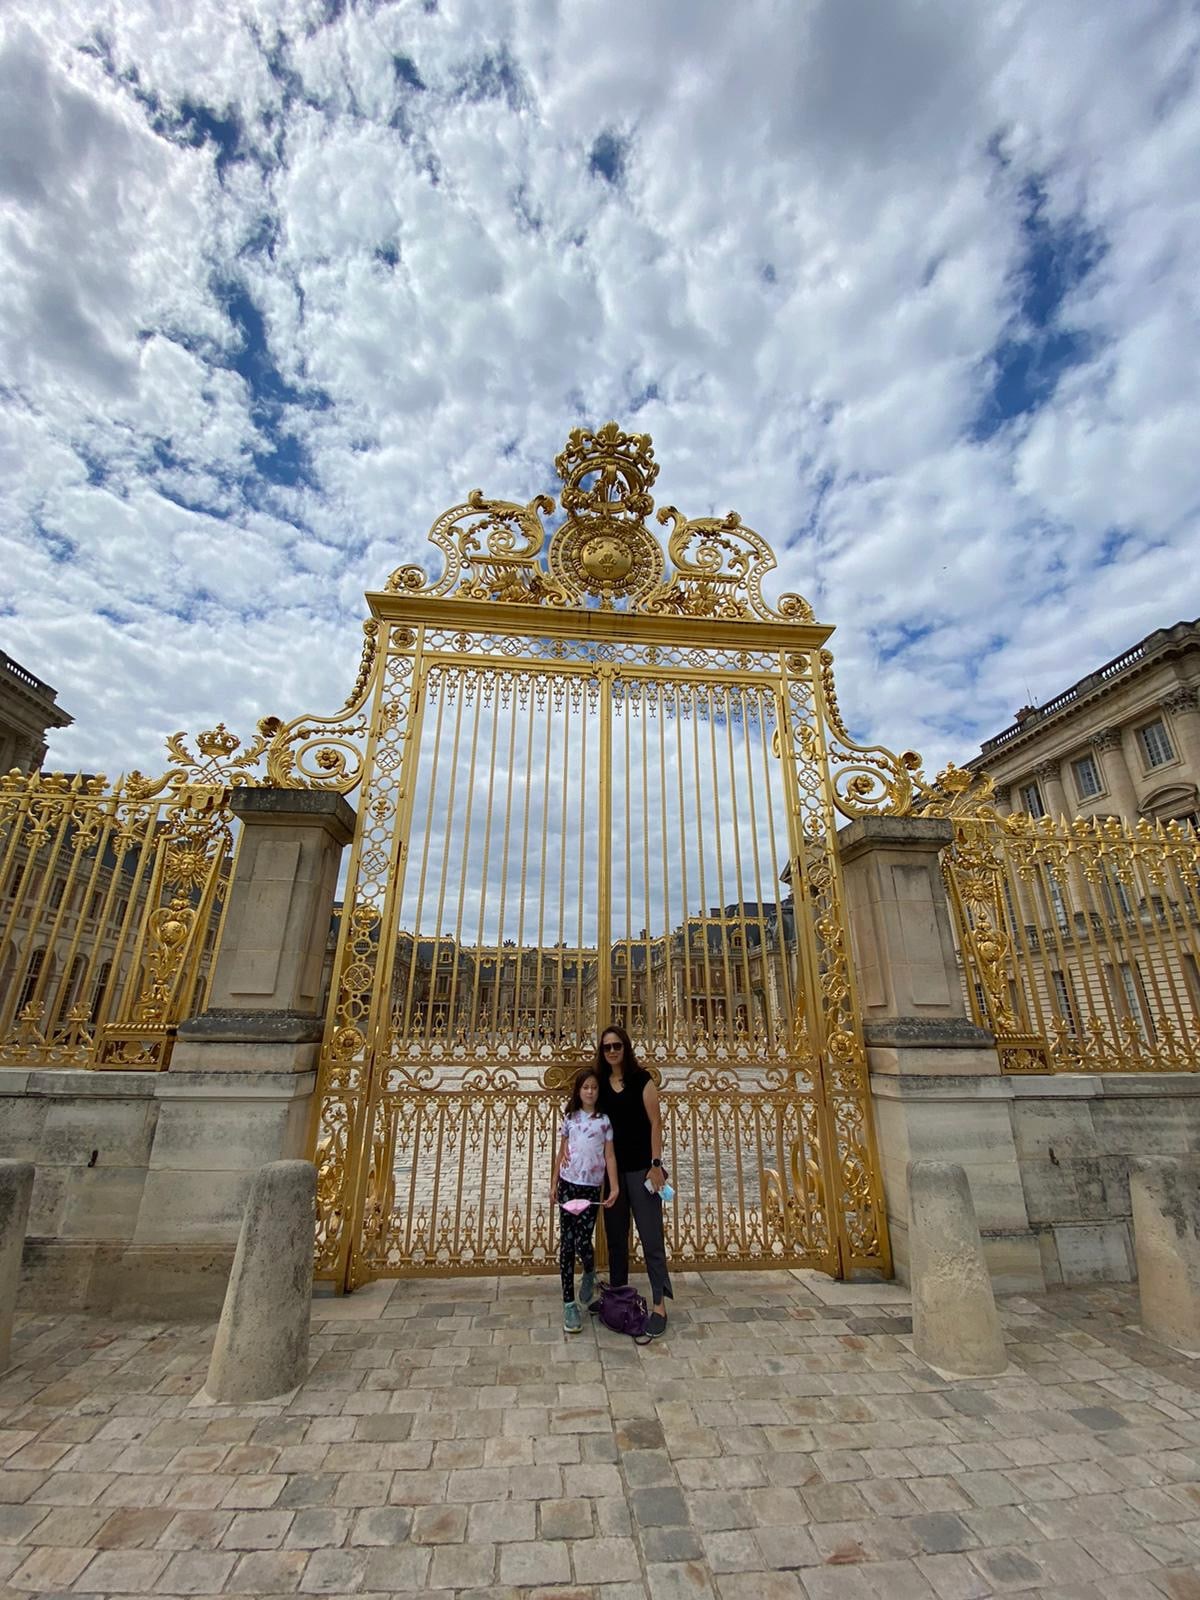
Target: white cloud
<point x="814" y="249"/>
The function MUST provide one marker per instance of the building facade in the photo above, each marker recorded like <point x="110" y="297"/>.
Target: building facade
<point x="28" y="708"/>
<point x="1122" y="742"/>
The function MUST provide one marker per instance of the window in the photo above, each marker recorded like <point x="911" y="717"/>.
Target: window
<point x="1156" y="747"/>
<point x="1087" y="777"/>
<point x="1135" y="998"/>
<point x="100" y="992"/>
<point x="1031" y="799"/>
<point x="1064" y="999"/>
<point x="1057" y="900"/>
<point x="32" y="973"/>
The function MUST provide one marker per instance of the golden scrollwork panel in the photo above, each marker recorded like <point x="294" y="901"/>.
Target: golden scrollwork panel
<point x="1080" y="940"/>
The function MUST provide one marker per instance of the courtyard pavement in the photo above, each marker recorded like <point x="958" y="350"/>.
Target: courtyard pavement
<point x="782" y="1441"/>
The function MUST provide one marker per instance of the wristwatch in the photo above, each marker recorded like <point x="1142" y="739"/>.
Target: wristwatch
<point x="656" y="1162"/>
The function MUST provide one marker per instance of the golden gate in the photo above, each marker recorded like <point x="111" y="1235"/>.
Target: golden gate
<point x="600" y="781"/>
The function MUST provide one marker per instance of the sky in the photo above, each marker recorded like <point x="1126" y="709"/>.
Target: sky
<point x="911" y="286"/>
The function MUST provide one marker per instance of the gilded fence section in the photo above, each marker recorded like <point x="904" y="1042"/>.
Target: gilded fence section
<point x="111" y="897"/>
<point x="1080" y="940"/>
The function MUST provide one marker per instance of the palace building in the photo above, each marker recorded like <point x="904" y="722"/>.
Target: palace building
<point x="1122" y="742"/>
<point x="28" y="708"/>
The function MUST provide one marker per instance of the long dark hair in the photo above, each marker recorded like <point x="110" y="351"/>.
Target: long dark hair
<point x="633" y="1069"/>
<point x="575" y="1103"/>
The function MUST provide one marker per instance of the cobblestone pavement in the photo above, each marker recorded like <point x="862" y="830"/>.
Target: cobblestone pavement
<point x="781" y="1441"/>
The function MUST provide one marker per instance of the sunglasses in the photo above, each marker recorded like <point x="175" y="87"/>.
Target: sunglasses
<point x="609" y="1048"/>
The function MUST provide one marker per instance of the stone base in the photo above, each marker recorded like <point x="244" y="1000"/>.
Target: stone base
<point x="167" y="1283"/>
<point x="961" y="1117"/>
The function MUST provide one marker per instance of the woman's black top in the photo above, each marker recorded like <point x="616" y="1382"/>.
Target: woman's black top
<point x="630" y="1122"/>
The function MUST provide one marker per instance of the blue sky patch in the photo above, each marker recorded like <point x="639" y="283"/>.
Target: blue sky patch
<point x="607" y="157"/>
<point x="1057" y="255"/>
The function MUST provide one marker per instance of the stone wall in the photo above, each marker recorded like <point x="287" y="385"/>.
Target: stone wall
<point x="1075" y="1137"/>
<point x="140" y="1180"/>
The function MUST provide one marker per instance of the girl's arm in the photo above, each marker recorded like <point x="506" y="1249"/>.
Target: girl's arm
<point x="656" y="1175"/>
<point x="556" y="1169"/>
<point x="610" y="1167"/>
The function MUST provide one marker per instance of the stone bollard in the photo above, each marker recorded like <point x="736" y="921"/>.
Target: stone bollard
<point x="16" y="1187"/>
<point x="261" y="1348"/>
<point x="1165" y="1193"/>
<point x="955" y="1325"/>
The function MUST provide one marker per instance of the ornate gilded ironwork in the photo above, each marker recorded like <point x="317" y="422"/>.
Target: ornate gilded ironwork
<point x="112" y="896"/>
<point x="575" y="804"/>
<point x="1080" y="940"/>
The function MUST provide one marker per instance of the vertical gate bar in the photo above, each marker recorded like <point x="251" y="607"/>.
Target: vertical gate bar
<point x="96" y="948"/>
<point x="1100" y="940"/>
<point x="713" y="703"/>
<point x="19" y="899"/>
<point x="447" y="837"/>
<point x="773" y="782"/>
<point x="753" y="703"/>
<point x="627" y="691"/>
<point x="476" y="701"/>
<point x="540" y="1029"/>
<point x="689" y="1003"/>
<point x="475" y="1020"/>
<point x="518" y="979"/>
<point x="562" y="877"/>
<point x="652" y="1025"/>
<point x="1152" y="983"/>
<point x="494" y="1025"/>
<point x="44" y="984"/>
<point x="147" y="857"/>
<point x="604" y="862"/>
<point x="433" y="685"/>
<point x="668" y="976"/>
<point x="63" y="998"/>
<point x="585" y="745"/>
<point x="707" y="1008"/>
<point x="736" y="826"/>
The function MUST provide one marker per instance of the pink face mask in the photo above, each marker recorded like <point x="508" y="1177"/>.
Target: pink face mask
<point x="577" y="1207"/>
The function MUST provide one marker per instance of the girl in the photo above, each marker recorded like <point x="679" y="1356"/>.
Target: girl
<point x="585" y="1155"/>
<point x="630" y="1098"/>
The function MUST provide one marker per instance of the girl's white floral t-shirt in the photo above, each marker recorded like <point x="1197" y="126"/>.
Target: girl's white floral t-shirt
<point x="586" y="1136"/>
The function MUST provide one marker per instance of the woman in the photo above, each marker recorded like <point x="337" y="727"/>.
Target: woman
<point x="629" y="1099"/>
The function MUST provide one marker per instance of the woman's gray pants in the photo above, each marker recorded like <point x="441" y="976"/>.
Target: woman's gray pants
<point x="647" y="1211"/>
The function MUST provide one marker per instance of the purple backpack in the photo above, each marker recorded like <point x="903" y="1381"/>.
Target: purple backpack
<point x="623" y="1310"/>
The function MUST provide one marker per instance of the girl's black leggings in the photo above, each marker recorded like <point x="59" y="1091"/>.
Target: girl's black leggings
<point x="575" y="1233"/>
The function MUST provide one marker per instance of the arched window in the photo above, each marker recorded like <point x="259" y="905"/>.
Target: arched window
<point x="100" y="990"/>
<point x="32" y="973"/>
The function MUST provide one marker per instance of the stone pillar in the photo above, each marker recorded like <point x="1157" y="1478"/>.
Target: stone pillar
<point x="1180" y="704"/>
<point x="1002" y="798"/>
<point x="261" y="1347"/>
<point x="1165" y="1196"/>
<point x="955" y="1326"/>
<point x="1110" y="753"/>
<point x="16" y="1189"/>
<point x="239" y="1091"/>
<point x="936" y="1084"/>
<point x="1054" y="796"/>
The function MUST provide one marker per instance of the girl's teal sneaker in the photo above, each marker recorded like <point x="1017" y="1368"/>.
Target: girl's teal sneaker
<point x="572" y="1318"/>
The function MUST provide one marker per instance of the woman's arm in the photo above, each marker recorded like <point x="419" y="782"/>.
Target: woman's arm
<point x="610" y="1167"/>
<point x="656" y="1175"/>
